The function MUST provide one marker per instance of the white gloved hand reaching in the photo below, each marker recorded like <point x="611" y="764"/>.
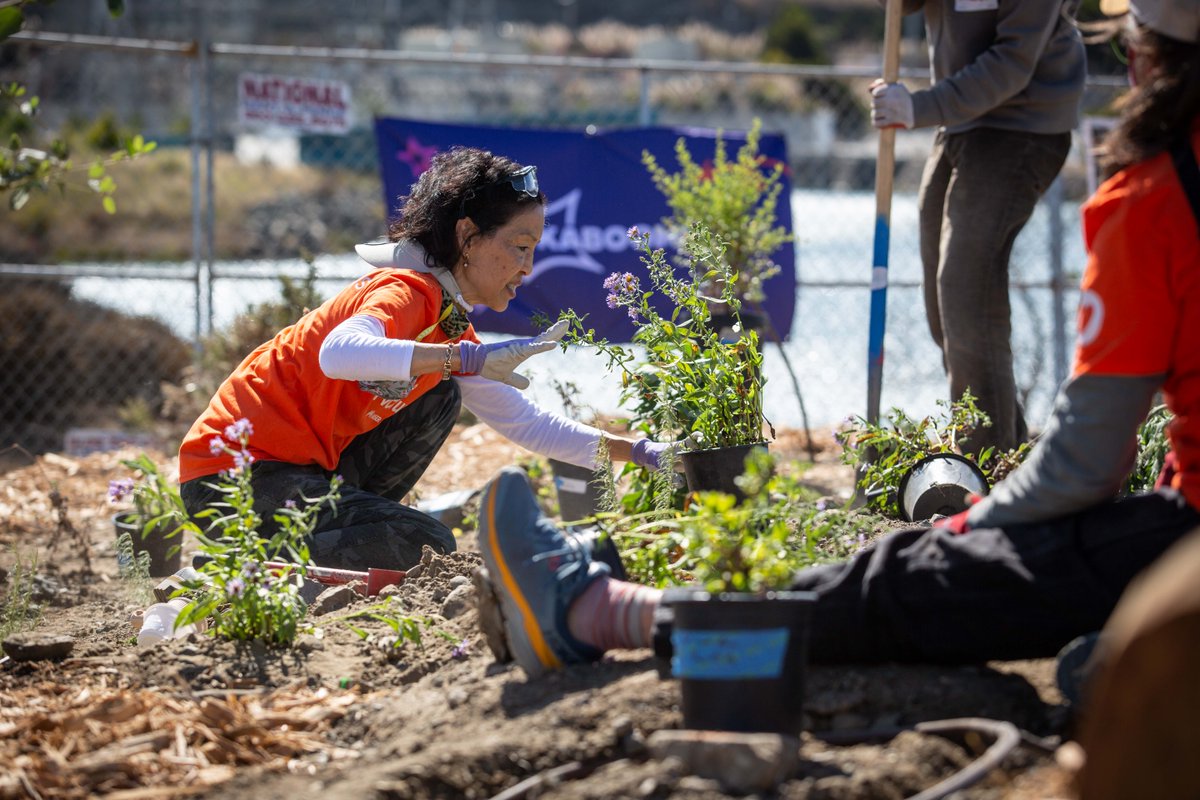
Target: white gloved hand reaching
<point x="497" y="361"/>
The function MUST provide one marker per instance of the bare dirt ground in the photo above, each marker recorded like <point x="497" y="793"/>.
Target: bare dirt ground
<point x="339" y="715"/>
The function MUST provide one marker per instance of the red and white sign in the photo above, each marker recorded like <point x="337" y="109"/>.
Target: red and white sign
<point x="301" y="103"/>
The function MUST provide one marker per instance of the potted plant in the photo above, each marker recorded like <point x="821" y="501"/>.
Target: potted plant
<point x="740" y="642"/>
<point x="688" y="383"/>
<point x="152" y="526"/>
<point x="910" y="467"/>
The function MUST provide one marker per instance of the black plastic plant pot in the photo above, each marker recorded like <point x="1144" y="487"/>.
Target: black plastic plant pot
<point x="741" y="660"/>
<point x="165" y="552"/>
<point x="714" y="470"/>
<point x="578" y="496"/>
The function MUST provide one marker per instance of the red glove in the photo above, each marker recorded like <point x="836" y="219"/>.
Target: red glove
<point x="1169" y="469"/>
<point x="957" y="524"/>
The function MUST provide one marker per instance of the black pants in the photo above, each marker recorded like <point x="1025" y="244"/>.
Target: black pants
<point x="925" y="595"/>
<point x="370" y="527"/>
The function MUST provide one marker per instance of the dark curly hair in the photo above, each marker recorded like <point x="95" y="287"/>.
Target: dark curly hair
<point x="1160" y="110"/>
<point x="461" y="182"/>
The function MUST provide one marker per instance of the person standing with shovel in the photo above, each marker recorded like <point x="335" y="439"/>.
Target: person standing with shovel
<point x="1007" y="80"/>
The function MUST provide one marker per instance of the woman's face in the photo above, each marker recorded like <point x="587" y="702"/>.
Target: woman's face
<point x="496" y="264"/>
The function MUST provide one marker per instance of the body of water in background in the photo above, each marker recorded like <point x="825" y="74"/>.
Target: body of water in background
<point x="827" y="349"/>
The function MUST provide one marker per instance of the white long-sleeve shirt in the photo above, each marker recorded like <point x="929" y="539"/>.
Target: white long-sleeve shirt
<point x="358" y="349"/>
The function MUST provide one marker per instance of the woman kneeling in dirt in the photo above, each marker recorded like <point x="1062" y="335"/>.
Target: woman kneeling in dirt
<point x="1045" y="557"/>
<point x="370" y="384"/>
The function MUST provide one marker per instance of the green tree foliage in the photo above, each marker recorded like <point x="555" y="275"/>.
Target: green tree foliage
<point x="793" y="38"/>
<point x="27" y="166"/>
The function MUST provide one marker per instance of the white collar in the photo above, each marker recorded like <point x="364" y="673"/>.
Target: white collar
<point x="411" y="256"/>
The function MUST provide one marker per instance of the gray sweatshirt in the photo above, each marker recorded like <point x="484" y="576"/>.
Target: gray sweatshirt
<point x="1010" y="64"/>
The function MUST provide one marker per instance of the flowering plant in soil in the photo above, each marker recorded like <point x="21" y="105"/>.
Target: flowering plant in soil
<point x="244" y="599"/>
<point x="156" y="502"/>
<point x="689" y="383"/>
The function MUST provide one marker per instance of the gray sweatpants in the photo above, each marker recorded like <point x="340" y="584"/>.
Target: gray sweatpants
<point x="978" y="191"/>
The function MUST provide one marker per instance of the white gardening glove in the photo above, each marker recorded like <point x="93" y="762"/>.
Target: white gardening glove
<point x="891" y="105"/>
<point x="498" y="361"/>
<point x="656" y="455"/>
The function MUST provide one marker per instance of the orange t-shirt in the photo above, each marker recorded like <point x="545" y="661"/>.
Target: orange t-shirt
<point x="1139" y="308"/>
<point x="299" y="415"/>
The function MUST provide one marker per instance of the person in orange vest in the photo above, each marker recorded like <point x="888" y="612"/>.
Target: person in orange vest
<point x="369" y="385"/>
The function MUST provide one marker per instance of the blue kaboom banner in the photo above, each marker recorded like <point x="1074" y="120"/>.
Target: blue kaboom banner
<point x="597" y="187"/>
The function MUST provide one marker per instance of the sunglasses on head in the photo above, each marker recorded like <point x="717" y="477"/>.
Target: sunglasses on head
<point x="523" y="182"/>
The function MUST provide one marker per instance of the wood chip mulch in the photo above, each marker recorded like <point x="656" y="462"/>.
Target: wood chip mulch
<point x="64" y="742"/>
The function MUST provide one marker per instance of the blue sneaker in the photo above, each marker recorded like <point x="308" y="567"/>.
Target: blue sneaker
<point x="534" y="571"/>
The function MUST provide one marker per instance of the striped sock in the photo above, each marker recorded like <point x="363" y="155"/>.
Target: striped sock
<point x="612" y="614"/>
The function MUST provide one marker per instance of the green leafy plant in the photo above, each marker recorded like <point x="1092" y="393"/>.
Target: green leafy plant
<point x="1152" y="450"/>
<point x="885" y="452"/>
<point x="736" y="200"/>
<point x="24" y="169"/>
<point x="18" y="612"/>
<point x="134" y="569"/>
<point x="244" y="598"/>
<point x="724" y="546"/>
<point x="157" y="510"/>
<point x="405" y="629"/>
<point x="686" y="382"/>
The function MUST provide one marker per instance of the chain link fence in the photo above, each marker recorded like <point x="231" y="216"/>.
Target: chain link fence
<point x="112" y="330"/>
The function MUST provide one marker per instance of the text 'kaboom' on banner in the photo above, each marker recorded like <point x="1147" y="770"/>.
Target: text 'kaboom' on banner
<point x="597" y="188"/>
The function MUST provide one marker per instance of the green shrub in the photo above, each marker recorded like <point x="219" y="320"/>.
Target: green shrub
<point x="792" y="37"/>
<point x="1153" y="447"/>
<point x="69" y="362"/>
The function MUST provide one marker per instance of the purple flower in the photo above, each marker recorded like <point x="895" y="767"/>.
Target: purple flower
<point x="241" y="460"/>
<point x="822" y="505"/>
<point x="216" y="445"/>
<point x="623" y="287"/>
<point x="120" y="489"/>
<point x="633" y="233"/>
<point x="239" y="430"/>
<point x="235" y="587"/>
<point x="460" y="649"/>
<point x="289" y="503"/>
<point x="251" y="568"/>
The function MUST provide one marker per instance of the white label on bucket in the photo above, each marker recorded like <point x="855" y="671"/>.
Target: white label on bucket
<point x="572" y="485"/>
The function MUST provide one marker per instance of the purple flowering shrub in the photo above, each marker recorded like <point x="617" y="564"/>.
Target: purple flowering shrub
<point x="155" y="502"/>
<point x="245" y="597"/>
<point x="681" y="379"/>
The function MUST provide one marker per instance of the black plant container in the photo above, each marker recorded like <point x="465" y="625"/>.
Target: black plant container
<point x="714" y="470"/>
<point x="741" y="659"/>
<point x="164" y="550"/>
<point x="578" y="496"/>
